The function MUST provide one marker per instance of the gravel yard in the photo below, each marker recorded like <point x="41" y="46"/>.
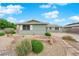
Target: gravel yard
<point x="58" y="47"/>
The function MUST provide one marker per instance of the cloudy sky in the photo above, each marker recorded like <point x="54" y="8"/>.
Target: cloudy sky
<point x="55" y="13"/>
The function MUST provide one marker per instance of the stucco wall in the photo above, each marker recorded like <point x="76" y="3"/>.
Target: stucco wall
<point x="36" y="29"/>
<point x="54" y="30"/>
<point x="72" y="30"/>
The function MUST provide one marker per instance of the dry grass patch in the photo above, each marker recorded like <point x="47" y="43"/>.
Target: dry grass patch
<point x="23" y="48"/>
<point x="69" y="38"/>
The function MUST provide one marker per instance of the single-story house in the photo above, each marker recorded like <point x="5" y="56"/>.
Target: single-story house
<point x="72" y="28"/>
<point x="54" y="28"/>
<point x="36" y="27"/>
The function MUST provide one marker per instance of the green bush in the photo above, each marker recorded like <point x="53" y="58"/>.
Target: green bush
<point x="9" y="30"/>
<point x="2" y="33"/>
<point x="70" y="38"/>
<point x="37" y="46"/>
<point x="13" y="32"/>
<point x="23" y="48"/>
<point x="47" y="34"/>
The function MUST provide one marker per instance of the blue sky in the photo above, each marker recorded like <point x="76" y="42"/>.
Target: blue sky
<point x="54" y="13"/>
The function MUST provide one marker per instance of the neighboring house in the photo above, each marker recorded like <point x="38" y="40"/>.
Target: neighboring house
<point x="36" y="27"/>
<point x="72" y="28"/>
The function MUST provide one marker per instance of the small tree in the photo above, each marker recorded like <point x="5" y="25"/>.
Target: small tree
<point x="6" y="24"/>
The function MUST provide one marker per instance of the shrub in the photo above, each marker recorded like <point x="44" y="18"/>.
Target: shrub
<point x="9" y="30"/>
<point x="37" y="46"/>
<point x="23" y="48"/>
<point x="69" y="38"/>
<point x="47" y="34"/>
<point x="2" y="33"/>
<point x="13" y="32"/>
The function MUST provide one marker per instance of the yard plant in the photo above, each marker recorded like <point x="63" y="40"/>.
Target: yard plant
<point x="13" y="32"/>
<point x="47" y="34"/>
<point x="6" y="24"/>
<point x="37" y="46"/>
<point x="69" y="38"/>
<point x="23" y="48"/>
<point x="2" y="33"/>
<point x="9" y="30"/>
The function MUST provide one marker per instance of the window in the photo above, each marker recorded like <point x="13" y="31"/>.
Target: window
<point x="50" y="28"/>
<point x="26" y="27"/>
<point x="56" y="28"/>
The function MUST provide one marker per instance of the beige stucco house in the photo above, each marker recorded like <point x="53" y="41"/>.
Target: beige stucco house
<point x="36" y="27"/>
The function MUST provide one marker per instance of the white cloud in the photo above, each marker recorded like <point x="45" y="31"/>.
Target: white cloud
<point x="11" y="9"/>
<point x="12" y="19"/>
<point x="52" y="14"/>
<point x="45" y="6"/>
<point x="62" y="4"/>
<point x="20" y="21"/>
<point x="59" y="20"/>
<point x="74" y="18"/>
<point x="49" y="5"/>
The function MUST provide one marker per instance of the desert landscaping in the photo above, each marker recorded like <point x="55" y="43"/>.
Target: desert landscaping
<point x="39" y="29"/>
<point x="57" y="47"/>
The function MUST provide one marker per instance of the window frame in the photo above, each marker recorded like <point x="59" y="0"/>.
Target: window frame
<point x="26" y="27"/>
<point x="56" y="28"/>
